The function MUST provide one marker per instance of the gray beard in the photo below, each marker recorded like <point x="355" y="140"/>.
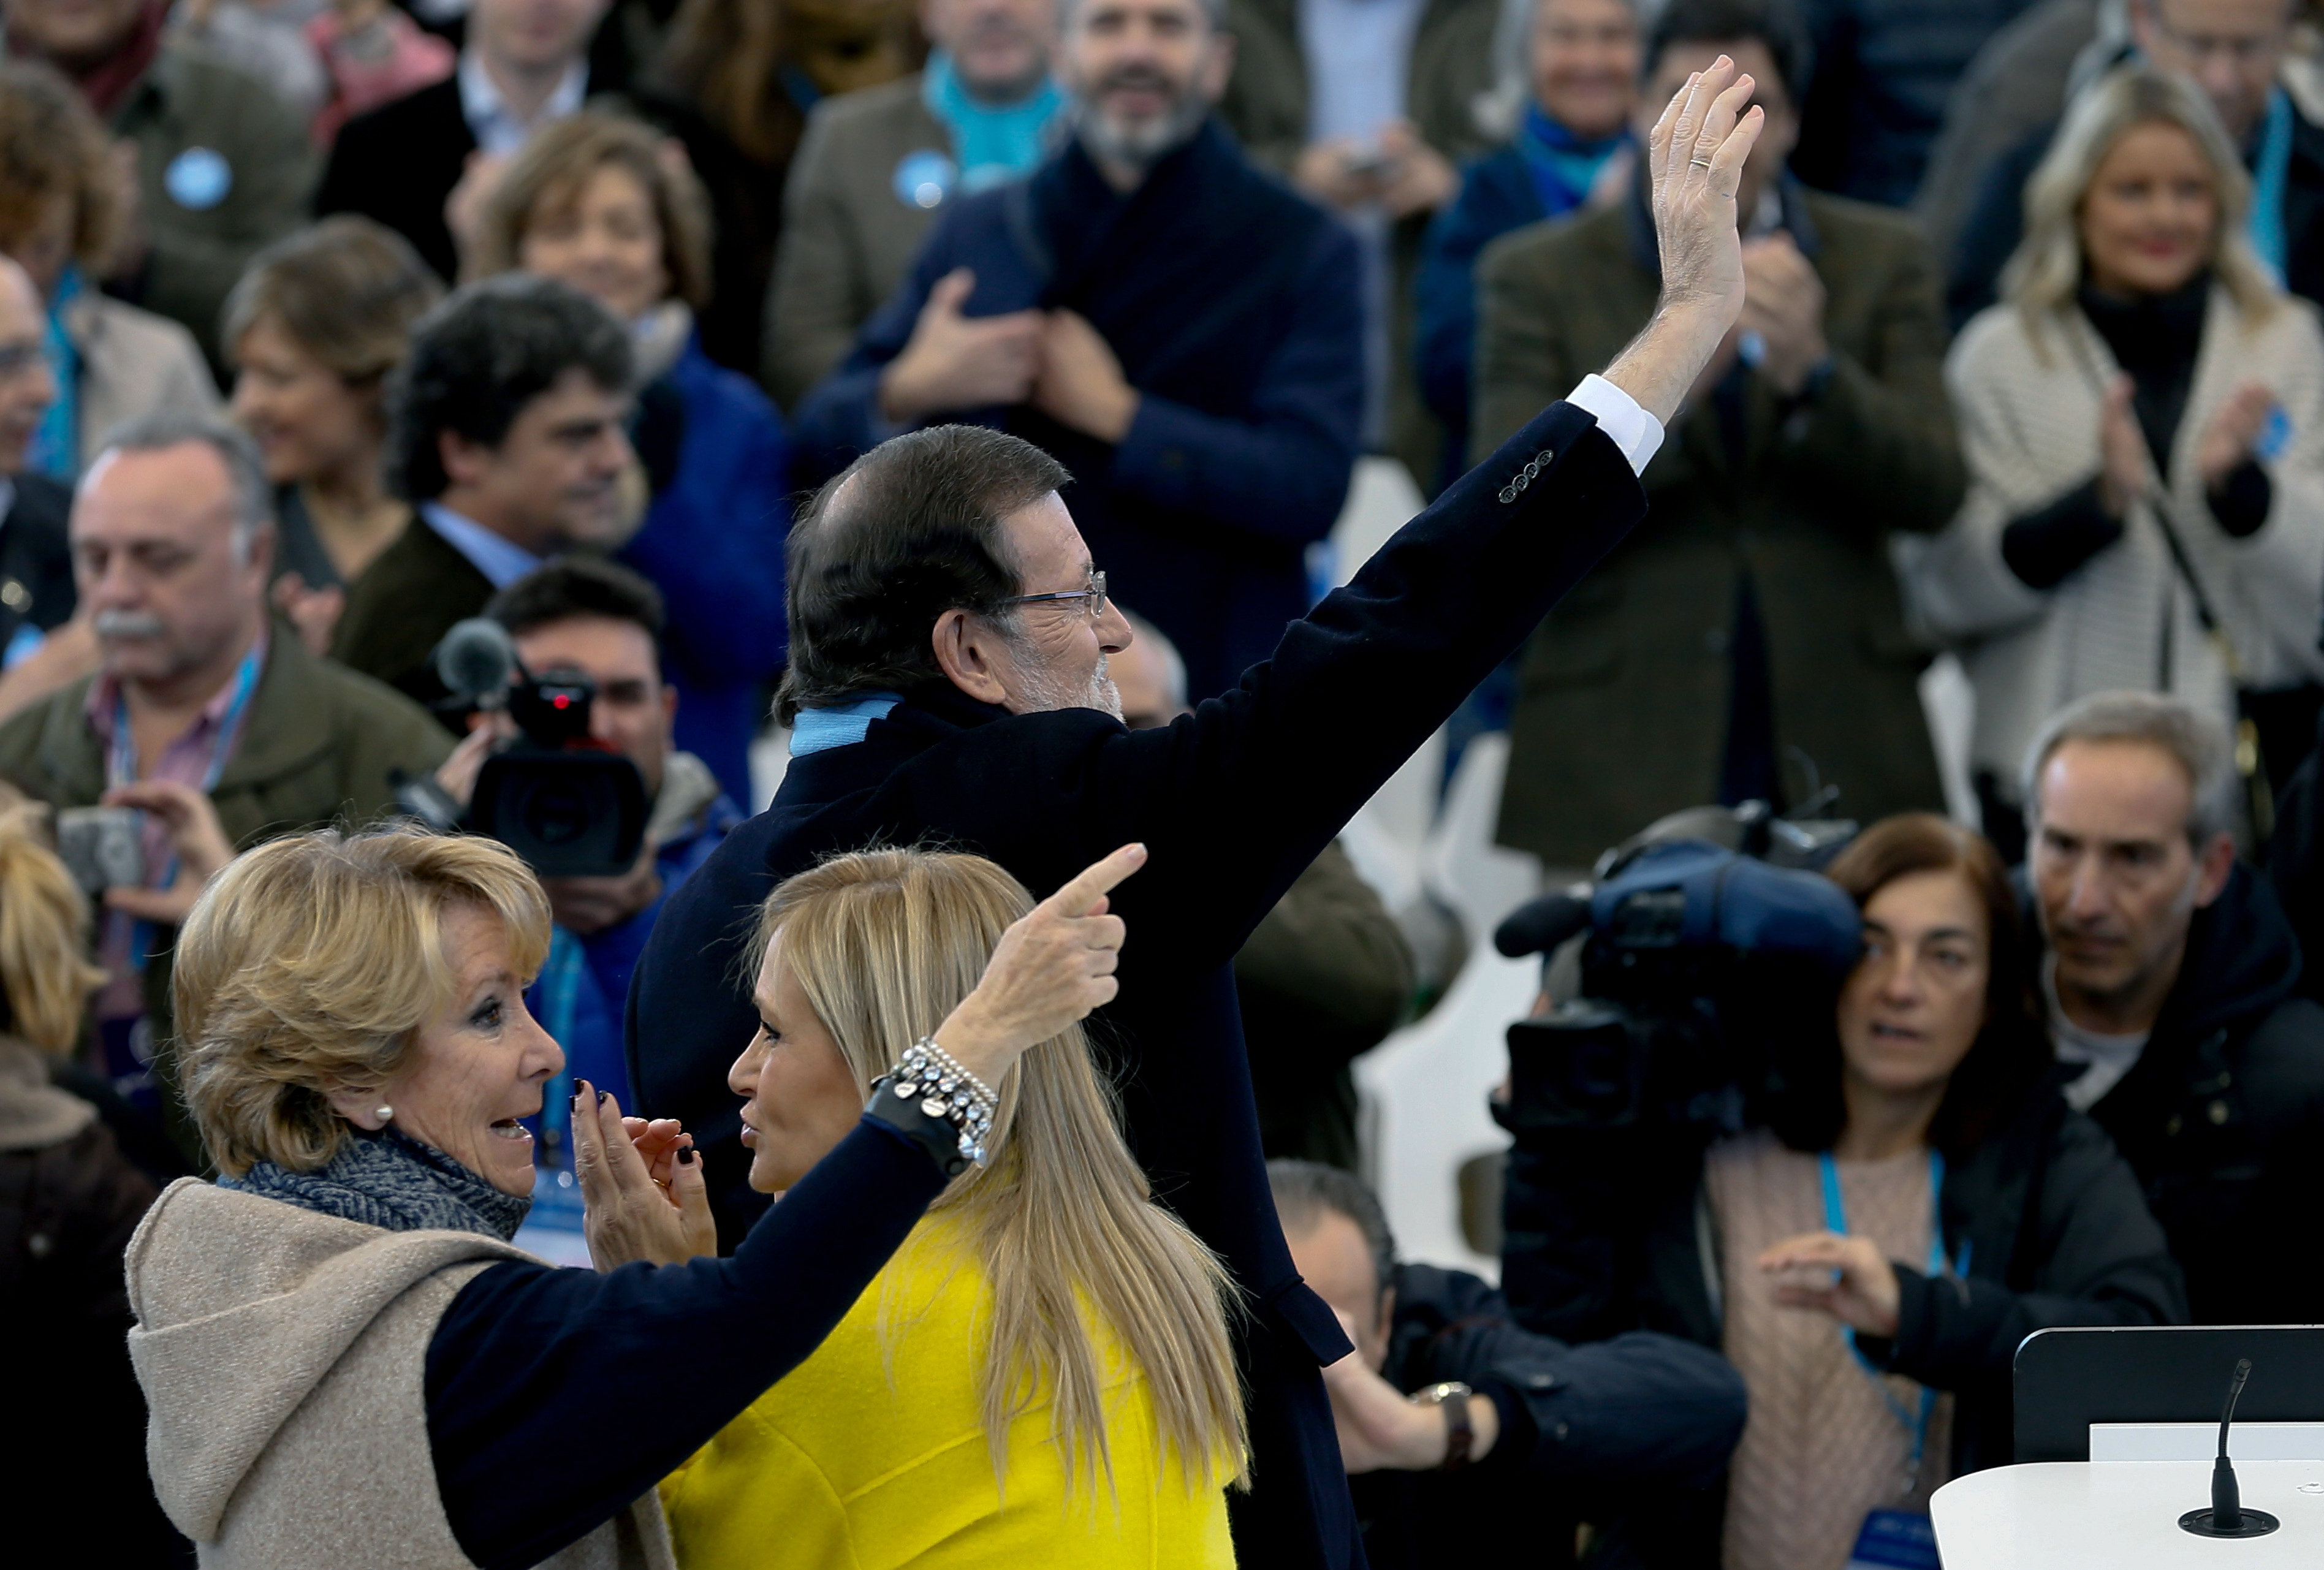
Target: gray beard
<point x="1044" y="695"/>
<point x="1148" y="144"/>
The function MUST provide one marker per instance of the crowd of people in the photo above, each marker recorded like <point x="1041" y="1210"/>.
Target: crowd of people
<point x="801" y="382"/>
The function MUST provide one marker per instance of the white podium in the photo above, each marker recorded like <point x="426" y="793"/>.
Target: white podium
<point x="2122" y="1515"/>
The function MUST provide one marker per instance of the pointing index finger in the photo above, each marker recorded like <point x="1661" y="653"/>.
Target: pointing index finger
<point x="1084" y="890"/>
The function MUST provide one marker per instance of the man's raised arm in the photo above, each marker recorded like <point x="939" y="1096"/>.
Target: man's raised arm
<point x="1695" y="160"/>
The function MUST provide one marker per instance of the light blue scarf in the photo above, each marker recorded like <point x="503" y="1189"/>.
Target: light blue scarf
<point x="56" y="444"/>
<point x="991" y="144"/>
<point x="2271" y="175"/>
<point x="818" y="730"/>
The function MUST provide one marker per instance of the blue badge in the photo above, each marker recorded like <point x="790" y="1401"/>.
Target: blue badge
<point x="2274" y="436"/>
<point x="198" y="179"/>
<point x="924" y="179"/>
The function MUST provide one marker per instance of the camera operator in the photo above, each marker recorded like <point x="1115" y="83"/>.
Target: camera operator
<point x="1876" y="1263"/>
<point x="603" y="622"/>
<point x="173" y="538"/>
<point x="1496" y="1409"/>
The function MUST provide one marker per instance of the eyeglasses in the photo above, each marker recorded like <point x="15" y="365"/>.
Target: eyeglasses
<point x="1090" y="601"/>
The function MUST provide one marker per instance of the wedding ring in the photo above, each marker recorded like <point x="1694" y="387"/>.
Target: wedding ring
<point x="1700" y="163"/>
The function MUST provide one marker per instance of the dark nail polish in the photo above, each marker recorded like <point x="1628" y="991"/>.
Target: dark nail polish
<point x="685" y="1157"/>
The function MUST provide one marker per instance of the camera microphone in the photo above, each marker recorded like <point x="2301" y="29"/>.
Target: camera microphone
<point x="477" y="660"/>
<point x="2226" y="1518"/>
<point x="1540" y="925"/>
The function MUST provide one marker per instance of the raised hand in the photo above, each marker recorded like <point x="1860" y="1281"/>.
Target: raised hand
<point x="630" y="1214"/>
<point x="196" y="836"/>
<point x="1051" y="968"/>
<point x="2122" y="452"/>
<point x="954" y="361"/>
<point x="1694" y="158"/>
<point x="2234" y="433"/>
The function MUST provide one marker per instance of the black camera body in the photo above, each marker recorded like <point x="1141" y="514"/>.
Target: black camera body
<point x="569" y="806"/>
<point x="1706" y="940"/>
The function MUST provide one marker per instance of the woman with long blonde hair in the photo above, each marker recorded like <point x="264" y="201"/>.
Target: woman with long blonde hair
<point x="2143" y="419"/>
<point x="1042" y="1373"/>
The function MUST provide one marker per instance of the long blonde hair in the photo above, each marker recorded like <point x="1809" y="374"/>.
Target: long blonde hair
<point x="45" y="976"/>
<point x="885" y="944"/>
<point x="2046" y="268"/>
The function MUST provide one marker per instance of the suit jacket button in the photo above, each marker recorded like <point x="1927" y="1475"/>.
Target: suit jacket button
<point x="1508" y="492"/>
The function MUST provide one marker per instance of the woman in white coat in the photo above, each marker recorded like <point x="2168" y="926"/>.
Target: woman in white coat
<point x="2143" y="417"/>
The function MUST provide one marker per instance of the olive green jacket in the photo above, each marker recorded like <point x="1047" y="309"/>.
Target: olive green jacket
<point x="319" y="745"/>
<point x="191" y="104"/>
<point x="848" y="233"/>
<point x="1621" y="712"/>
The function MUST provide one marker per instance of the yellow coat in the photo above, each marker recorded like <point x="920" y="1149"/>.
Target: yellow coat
<point x="870" y="1456"/>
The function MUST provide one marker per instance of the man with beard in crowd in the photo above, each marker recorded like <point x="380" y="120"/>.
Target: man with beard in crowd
<point x="1179" y="328"/>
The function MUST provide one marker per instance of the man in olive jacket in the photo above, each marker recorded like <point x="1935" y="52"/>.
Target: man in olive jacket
<point x="1748" y="641"/>
<point x="198" y="691"/>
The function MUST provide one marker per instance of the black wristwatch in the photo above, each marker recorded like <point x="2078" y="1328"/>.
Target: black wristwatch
<point x="1451" y="1399"/>
<point x="934" y="1135"/>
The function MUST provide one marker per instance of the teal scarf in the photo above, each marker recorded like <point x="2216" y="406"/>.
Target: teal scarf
<point x="991" y="144"/>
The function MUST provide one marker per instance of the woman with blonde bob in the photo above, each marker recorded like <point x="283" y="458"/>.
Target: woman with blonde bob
<point x="68" y="1201"/>
<point x="345" y="1358"/>
<point x="1042" y="1375"/>
<point x="2143" y="418"/>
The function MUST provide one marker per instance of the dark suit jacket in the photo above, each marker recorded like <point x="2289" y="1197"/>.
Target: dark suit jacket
<point x="402" y="607"/>
<point x="36" y="577"/>
<point x="397" y="164"/>
<point x="1623" y="697"/>
<point x="1234" y="800"/>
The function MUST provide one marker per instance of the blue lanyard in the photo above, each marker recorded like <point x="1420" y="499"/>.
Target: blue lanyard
<point x="123" y="767"/>
<point x="560" y="985"/>
<point x="1835" y="1219"/>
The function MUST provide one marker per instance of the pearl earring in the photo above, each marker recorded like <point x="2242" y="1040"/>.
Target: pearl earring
<point x="385" y="1114"/>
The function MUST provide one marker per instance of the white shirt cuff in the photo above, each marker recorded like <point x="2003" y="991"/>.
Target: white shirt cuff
<point x="1637" y="433"/>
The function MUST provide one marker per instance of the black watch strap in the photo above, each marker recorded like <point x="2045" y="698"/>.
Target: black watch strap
<point x="934" y="1135"/>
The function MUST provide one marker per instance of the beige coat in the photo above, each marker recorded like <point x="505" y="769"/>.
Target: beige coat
<point x="282" y="1354"/>
<point x="132" y="363"/>
<point x="2028" y="411"/>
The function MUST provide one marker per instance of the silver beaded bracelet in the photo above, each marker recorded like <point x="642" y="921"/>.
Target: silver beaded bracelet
<point x="948" y="1091"/>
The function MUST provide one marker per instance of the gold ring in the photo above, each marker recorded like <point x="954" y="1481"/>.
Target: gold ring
<point x="1699" y="162"/>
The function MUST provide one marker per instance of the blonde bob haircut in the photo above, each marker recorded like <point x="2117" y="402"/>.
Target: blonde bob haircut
<point x="309" y="966"/>
<point x="45" y="976"/>
<point x="2047" y="267"/>
<point x="554" y="170"/>
<point x="885" y="944"/>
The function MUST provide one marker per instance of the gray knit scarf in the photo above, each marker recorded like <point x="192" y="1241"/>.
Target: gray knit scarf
<point x="389" y="1180"/>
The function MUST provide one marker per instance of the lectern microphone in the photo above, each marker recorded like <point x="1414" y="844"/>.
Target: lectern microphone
<point x="2226" y="1518"/>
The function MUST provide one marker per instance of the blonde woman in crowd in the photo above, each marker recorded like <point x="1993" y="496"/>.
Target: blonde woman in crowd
<point x="2143" y="421"/>
<point x="1042" y="1375"/>
<point x="312" y="329"/>
<point x="69" y="1200"/>
<point x="344" y="1360"/>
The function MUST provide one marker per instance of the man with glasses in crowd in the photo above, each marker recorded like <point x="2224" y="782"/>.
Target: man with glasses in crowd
<point x="2233" y="49"/>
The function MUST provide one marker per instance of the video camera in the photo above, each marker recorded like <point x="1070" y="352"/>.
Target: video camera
<point x="571" y="806"/>
<point x="1709" y="939"/>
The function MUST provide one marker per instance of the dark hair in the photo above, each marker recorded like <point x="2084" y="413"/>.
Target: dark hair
<point x="2011" y="1053"/>
<point x="477" y="359"/>
<point x="1774" y="22"/>
<point x="1304" y="1190"/>
<point x="578" y="585"/>
<point x="918" y="533"/>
